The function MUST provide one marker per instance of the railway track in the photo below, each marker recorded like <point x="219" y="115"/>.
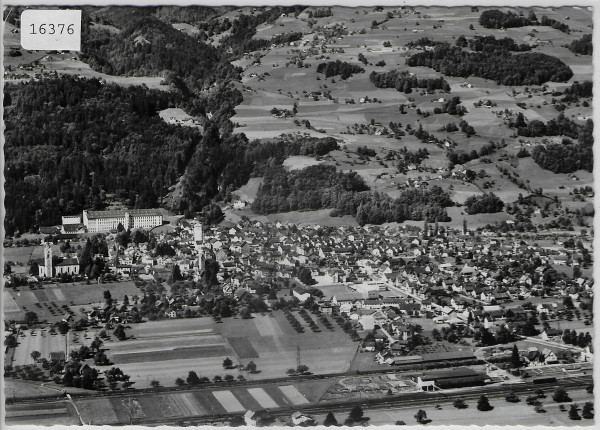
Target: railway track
<point x="408" y="400"/>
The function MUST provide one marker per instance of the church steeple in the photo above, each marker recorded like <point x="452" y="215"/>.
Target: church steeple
<point x="48" y="260"/>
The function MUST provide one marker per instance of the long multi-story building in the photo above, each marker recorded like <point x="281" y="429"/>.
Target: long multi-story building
<point x="103" y="221"/>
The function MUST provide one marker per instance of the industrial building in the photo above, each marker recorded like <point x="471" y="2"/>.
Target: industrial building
<point x="451" y="378"/>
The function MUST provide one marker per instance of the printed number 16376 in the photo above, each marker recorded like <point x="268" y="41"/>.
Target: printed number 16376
<point x="52" y="28"/>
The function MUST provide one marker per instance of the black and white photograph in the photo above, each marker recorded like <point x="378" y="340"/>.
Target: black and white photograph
<point x="298" y="215"/>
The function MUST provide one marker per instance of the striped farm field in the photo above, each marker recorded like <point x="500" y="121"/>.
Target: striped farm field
<point x="52" y="413"/>
<point x="228" y="401"/>
<point x="97" y="411"/>
<point x="293" y="394"/>
<point x="263" y="398"/>
<point x="180" y="353"/>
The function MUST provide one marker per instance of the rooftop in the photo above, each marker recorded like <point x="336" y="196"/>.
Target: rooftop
<point x="121" y="213"/>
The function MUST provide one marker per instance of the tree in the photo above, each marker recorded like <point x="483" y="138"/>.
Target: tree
<point x="574" y="413"/>
<point x="330" y="420"/>
<point x="302" y="369"/>
<point x="154" y="383"/>
<point x="290" y="372"/>
<point x="217" y="378"/>
<point x="179" y="382"/>
<point x="560" y="395"/>
<point x="460" y="404"/>
<point x="421" y="416"/>
<point x="483" y="404"/>
<point x="63" y="327"/>
<point x="251" y="367"/>
<point x="192" y="378"/>
<point x="228" y="378"/>
<point x="227" y="363"/>
<point x="100" y="358"/>
<point x="245" y="313"/>
<point x="588" y="411"/>
<point x="35" y="355"/>
<point x="356" y="415"/>
<point x="107" y="297"/>
<point x="10" y="341"/>
<point x="512" y="397"/>
<point x="31" y="318"/>
<point x="120" y="332"/>
<point x="515" y="358"/>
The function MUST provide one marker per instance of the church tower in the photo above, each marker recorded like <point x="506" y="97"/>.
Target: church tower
<point x="48" y="260"/>
<point x="199" y="245"/>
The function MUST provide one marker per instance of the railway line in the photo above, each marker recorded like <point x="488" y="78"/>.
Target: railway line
<point x="408" y="400"/>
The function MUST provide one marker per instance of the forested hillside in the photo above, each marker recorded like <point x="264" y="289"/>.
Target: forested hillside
<point x="71" y="141"/>
<point x="499" y="65"/>
<point x="150" y="47"/>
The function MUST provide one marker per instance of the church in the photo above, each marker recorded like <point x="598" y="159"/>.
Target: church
<point x="68" y="266"/>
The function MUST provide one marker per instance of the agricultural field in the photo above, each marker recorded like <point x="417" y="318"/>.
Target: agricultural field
<point x="200" y="402"/>
<point x="42" y="414"/>
<point x="277" y="82"/>
<point x="48" y="301"/>
<point x="166" y="350"/>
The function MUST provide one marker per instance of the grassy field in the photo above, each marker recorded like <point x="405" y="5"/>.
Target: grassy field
<point x="76" y="295"/>
<point x="503" y="414"/>
<point x="278" y="83"/>
<point x="167" y="350"/>
<point x="43" y="414"/>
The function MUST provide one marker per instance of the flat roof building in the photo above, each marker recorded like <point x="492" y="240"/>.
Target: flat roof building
<point x="452" y="378"/>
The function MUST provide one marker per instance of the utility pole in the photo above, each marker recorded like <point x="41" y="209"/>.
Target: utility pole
<point x="298" y="361"/>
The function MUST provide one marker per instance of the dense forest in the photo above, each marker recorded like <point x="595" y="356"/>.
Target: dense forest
<point x="497" y="19"/>
<point x="567" y="157"/>
<point x="69" y="142"/>
<point x="487" y="203"/>
<point x="577" y="90"/>
<point x="501" y="66"/>
<point x="560" y="126"/>
<point x="491" y="44"/>
<point x="583" y="46"/>
<point x="150" y="47"/>
<point x="267" y="154"/>
<point x="342" y="68"/>
<point x="404" y="81"/>
<point x="322" y="187"/>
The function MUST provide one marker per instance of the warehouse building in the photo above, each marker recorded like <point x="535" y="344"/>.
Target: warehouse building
<point x="451" y="378"/>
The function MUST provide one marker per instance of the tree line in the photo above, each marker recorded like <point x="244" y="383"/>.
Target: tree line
<point x="338" y="67"/>
<point x="321" y="187"/>
<point x="529" y="68"/>
<point x="490" y="44"/>
<point x="486" y="203"/>
<point x="582" y="46"/>
<point x="404" y="81"/>
<point x="565" y="157"/>
<point x="495" y="18"/>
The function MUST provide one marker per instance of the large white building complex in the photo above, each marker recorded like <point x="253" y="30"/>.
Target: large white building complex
<point x="103" y="221"/>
